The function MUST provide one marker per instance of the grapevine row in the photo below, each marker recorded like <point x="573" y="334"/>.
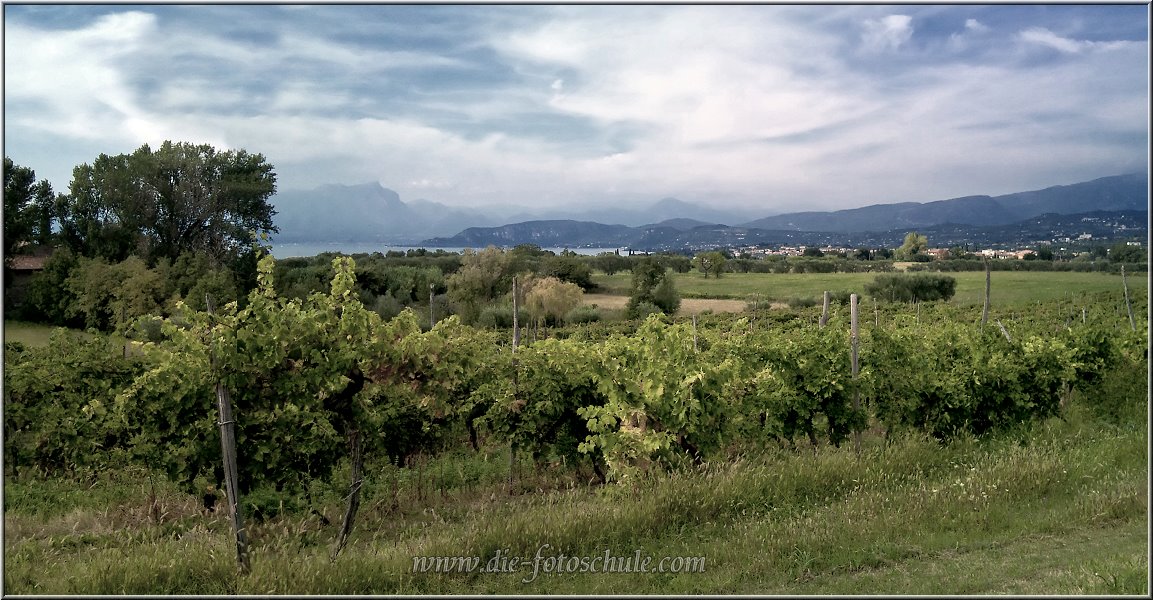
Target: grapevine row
<point x="307" y="374"/>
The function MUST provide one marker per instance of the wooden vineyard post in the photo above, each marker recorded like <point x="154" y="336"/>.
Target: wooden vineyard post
<point x="354" y="446"/>
<point x="231" y="472"/>
<point x="694" y="332"/>
<point x="985" y="311"/>
<point x="1004" y="332"/>
<point x="515" y="318"/>
<point x="515" y="343"/>
<point x="825" y="310"/>
<point x="853" y="338"/>
<point x="1128" y="305"/>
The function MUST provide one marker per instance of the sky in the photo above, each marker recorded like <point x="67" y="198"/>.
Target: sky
<point x="769" y="108"/>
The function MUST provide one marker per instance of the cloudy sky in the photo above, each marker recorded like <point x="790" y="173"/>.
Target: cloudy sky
<point x="775" y="108"/>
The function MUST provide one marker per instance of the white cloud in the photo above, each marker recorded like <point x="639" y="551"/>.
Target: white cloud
<point x="73" y="80"/>
<point x="1044" y="37"/>
<point x="961" y="40"/>
<point x="975" y="25"/>
<point x="887" y="33"/>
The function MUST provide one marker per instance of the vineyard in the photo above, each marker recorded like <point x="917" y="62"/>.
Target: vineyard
<point x="772" y="417"/>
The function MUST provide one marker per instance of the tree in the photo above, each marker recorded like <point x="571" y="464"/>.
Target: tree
<point x="27" y="209"/>
<point x="1123" y="252"/>
<point x="568" y="268"/>
<point x="481" y="278"/>
<point x="914" y="244"/>
<point x="652" y="285"/>
<point x="813" y="251"/>
<point x="551" y="298"/>
<point x="180" y="198"/>
<point x="1045" y="252"/>
<point x="710" y="262"/>
<point x="959" y="252"/>
<point x="676" y="262"/>
<point x="610" y="262"/>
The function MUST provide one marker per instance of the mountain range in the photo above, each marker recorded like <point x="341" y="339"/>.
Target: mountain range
<point x="372" y="213"/>
<point x="1119" y="192"/>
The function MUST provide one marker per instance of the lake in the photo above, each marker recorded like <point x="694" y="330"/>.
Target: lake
<point x="312" y="249"/>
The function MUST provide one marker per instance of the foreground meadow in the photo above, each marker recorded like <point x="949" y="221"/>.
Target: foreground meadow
<point x="1061" y="509"/>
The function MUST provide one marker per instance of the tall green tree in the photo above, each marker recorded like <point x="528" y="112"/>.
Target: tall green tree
<point x="914" y="244"/>
<point x="179" y="198"/>
<point x="568" y="268"/>
<point x="652" y="285"/>
<point x="27" y="209"/>
<point x="1123" y="252"/>
<point x="482" y="277"/>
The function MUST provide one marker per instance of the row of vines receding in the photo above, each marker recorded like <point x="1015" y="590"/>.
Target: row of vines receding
<point x="307" y="375"/>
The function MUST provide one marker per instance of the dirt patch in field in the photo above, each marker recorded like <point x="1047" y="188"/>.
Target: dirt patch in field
<point x="688" y="305"/>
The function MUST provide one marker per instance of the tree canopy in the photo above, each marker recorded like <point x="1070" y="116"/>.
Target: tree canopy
<point x="652" y="285"/>
<point x="914" y="245"/>
<point x="710" y="262"/>
<point x="182" y="197"/>
<point x="27" y="209"/>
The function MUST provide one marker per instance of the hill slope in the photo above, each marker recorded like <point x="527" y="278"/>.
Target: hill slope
<point x="1119" y="192"/>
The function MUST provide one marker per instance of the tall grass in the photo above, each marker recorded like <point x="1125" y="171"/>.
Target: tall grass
<point x="1070" y="494"/>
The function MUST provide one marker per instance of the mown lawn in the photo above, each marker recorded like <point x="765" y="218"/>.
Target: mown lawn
<point x="1007" y="287"/>
<point x="29" y="334"/>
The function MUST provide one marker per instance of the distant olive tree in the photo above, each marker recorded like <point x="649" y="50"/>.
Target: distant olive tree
<point x="710" y="262"/>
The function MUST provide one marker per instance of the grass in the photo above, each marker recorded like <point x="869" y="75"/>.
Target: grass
<point x="1062" y="510"/>
<point x="38" y="334"/>
<point x="1007" y="287"/>
<point x="29" y="334"/>
<point x="689" y="306"/>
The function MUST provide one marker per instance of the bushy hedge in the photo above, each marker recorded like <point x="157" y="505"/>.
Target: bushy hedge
<point x="919" y="287"/>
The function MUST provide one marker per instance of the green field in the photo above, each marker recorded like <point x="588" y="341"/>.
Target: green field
<point x="29" y="334"/>
<point x="1007" y="287"/>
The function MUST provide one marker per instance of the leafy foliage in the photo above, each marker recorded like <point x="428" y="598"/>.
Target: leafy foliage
<point x="918" y="287"/>
<point x="651" y="285"/>
<point x="54" y="400"/>
<point x="179" y="198"/>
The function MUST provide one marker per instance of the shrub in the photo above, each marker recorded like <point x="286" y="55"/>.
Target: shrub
<point x="582" y="314"/>
<point x="387" y="306"/>
<point x="919" y="287"/>
<point x="805" y="302"/>
<point x="644" y="309"/>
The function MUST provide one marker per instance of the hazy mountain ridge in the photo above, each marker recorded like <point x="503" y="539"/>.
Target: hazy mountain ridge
<point x="366" y="213"/>
<point x="1118" y="192"/>
<point x="372" y="213"/>
<point x="1101" y="225"/>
